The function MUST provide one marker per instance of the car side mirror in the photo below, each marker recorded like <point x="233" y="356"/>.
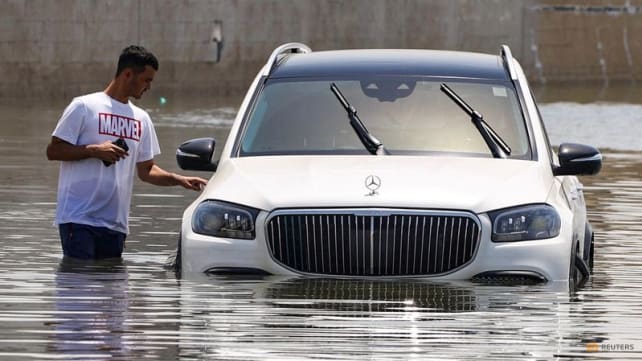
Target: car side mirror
<point x="196" y="154"/>
<point x="578" y="159"/>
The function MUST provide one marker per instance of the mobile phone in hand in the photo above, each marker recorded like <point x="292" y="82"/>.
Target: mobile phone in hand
<point x="122" y="144"/>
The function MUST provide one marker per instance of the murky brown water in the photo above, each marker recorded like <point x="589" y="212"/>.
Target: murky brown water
<point x="136" y="309"/>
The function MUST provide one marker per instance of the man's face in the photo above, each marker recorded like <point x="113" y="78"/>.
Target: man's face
<point x="141" y="82"/>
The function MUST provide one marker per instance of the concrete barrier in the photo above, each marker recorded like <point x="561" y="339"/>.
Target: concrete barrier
<point x="63" y="48"/>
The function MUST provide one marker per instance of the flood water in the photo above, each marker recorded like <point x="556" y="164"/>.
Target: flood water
<point x="136" y="309"/>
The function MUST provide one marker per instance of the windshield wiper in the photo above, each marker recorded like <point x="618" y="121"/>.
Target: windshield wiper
<point x="497" y="146"/>
<point x="372" y="144"/>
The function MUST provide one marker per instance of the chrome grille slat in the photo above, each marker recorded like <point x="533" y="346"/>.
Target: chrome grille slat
<point x="320" y="218"/>
<point x="314" y="244"/>
<point x="466" y="238"/>
<point x="379" y="241"/>
<point x="385" y="270"/>
<point x="343" y="247"/>
<point x="423" y="235"/>
<point x="375" y="242"/>
<point x="350" y="243"/>
<point x="457" y="236"/>
<point x="450" y="244"/>
<point x="355" y="246"/>
<point x="443" y="245"/>
<point x="360" y="252"/>
<point x="307" y="239"/>
<point x="278" y="230"/>
<point x="401" y="233"/>
<point x="436" y="244"/>
<point x="393" y="236"/>
<point x="336" y="250"/>
<point x="282" y="233"/>
<point x="414" y="249"/>
<point x="302" y="253"/>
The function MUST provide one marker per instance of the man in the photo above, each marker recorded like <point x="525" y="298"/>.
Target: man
<point x="96" y="175"/>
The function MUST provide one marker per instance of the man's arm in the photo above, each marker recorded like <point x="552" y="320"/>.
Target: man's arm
<point x="59" y="149"/>
<point x="149" y="172"/>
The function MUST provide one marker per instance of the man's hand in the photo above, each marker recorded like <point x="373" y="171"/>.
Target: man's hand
<point x="59" y="149"/>
<point x="151" y="173"/>
<point x="107" y="151"/>
<point x="193" y="183"/>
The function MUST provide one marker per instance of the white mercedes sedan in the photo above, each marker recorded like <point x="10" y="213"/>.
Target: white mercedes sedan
<point x="389" y="164"/>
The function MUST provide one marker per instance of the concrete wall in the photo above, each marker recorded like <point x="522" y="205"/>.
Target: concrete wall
<point x="62" y="48"/>
<point x="583" y="40"/>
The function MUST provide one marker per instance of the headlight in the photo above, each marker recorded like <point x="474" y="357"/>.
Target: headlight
<point x="222" y="219"/>
<point x="537" y="221"/>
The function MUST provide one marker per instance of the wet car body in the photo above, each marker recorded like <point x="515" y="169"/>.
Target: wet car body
<point x="389" y="163"/>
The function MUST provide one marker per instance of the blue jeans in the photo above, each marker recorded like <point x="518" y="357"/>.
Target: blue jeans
<point x="89" y="242"/>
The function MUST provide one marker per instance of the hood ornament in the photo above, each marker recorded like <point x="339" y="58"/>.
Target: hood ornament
<point x="372" y="183"/>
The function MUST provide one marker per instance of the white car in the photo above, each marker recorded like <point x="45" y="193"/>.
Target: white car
<point x="389" y="163"/>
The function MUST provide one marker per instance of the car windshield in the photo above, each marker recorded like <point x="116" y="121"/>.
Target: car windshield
<point x="408" y="115"/>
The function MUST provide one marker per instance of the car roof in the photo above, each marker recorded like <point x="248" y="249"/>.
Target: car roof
<point x="436" y="63"/>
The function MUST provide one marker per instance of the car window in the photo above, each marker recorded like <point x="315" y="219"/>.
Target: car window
<point x="409" y="115"/>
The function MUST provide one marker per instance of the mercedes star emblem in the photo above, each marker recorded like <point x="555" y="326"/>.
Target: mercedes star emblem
<point x="372" y="183"/>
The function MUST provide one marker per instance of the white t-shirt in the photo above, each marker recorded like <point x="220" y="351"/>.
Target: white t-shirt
<point x="88" y="191"/>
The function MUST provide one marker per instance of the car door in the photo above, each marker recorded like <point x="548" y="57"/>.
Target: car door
<point x="573" y="189"/>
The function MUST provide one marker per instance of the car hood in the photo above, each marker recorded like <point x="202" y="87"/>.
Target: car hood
<point x="475" y="184"/>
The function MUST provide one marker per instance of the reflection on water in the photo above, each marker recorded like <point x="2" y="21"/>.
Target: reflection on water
<point x="92" y="302"/>
<point x="133" y="309"/>
<point x="348" y="296"/>
<point x="280" y="318"/>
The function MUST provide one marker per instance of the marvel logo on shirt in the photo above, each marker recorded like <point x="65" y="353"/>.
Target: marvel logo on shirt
<point x="119" y="126"/>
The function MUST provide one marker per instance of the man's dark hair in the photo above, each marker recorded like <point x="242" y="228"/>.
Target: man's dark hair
<point x="136" y="57"/>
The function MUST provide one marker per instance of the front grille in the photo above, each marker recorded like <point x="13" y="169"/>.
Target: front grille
<point x="372" y="242"/>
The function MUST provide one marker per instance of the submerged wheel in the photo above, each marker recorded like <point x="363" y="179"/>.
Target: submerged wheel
<point x="579" y="271"/>
<point x="573" y="272"/>
<point x="588" y="246"/>
<point x="179" y="261"/>
<point x="591" y="252"/>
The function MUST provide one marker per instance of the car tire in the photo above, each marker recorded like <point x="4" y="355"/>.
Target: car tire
<point x="592" y="253"/>
<point x="589" y="238"/>
<point x="178" y="265"/>
<point x="573" y="273"/>
<point x="579" y="272"/>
